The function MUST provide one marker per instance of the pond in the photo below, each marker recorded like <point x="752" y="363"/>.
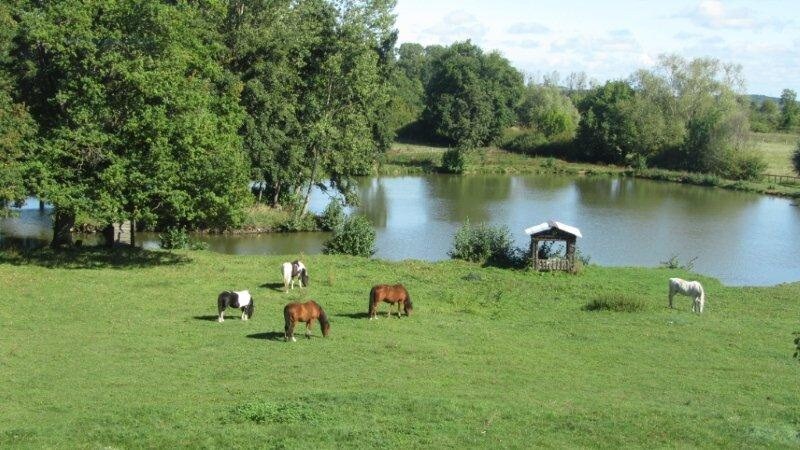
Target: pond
<point x="740" y="238"/>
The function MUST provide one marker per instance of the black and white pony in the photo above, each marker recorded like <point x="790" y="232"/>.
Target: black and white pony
<point x="690" y="289"/>
<point x="239" y="299"/>
<point x="292" y="270"/>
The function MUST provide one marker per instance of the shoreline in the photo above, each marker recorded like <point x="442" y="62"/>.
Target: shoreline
<point x="412" y="159"/>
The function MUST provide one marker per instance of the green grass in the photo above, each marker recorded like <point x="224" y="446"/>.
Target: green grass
<point x="777" y="149"/>
<point x="262" y="218"/>
<point x="121" y="351"/>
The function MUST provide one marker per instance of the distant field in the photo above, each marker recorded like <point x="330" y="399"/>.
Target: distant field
<point x="121" y="352"/>
<point x="777" y="150"/>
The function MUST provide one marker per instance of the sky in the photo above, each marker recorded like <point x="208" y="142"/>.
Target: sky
<point x="610" y="39"/>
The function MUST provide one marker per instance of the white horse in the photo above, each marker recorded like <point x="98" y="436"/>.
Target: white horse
<point x="292" y="270"/>
<point x="690" y="289"/>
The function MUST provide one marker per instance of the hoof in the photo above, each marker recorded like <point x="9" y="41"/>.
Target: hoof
<point x="294" y="339"/>
<point x="220" y="320"/>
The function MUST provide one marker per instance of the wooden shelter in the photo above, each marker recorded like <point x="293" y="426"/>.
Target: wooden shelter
<point x="553" y="231"/>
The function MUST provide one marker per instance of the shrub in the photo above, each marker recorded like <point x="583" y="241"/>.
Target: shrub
<point x="797" y="345"/>
<point x="674" y="263"/>
<point x="355" y="237"/>
<point x="454" y="161"/>
<point x="299" y="222"/>
<point x="525" y="143"/>
<point x="796" y="159"/>
<point x="333" y="216"/>
<point x="485" y="244"/>
<point x="616" y="303"/>
<point x="173" y="238"/>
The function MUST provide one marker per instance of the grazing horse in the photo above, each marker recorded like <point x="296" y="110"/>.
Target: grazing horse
<point x="240" y="299"/>
<point x="304" y="312"/>
<point x="292" y="270"/>
<point x="689" y="288"/>
<point x="393" y="295"/>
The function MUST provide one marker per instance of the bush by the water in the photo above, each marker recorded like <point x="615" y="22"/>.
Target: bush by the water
<point x="173" y="239"/>
<point x="355" y="237"/>
<point x="796" y="159"/>
<point x="615" y="302"/>
<point x="485" y="244"/>
<point x="333" y="216"/>
<point x="454" y="161"/>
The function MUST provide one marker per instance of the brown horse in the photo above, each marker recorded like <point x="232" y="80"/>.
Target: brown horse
<point x="304" y="312"/>
<point x="393" y="295"/>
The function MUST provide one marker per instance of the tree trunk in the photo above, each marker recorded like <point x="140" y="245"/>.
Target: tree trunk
<point x="310" y="184"/>
<point x="277" y="196"/>
<point x="108" y="235"/>
<point x="62" y="229"/>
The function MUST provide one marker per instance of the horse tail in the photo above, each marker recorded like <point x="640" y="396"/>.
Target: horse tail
<point x="222" y="301"/>
<point x="287" y="320"/>
<point x="373" y="295"/>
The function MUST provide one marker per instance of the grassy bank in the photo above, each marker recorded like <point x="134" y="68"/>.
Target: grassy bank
<point x="405" y="158"/>
<point x="123" y="351"/>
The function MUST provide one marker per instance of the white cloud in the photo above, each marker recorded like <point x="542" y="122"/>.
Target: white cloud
<point x="457" y="26"/>
<point x="714" y="14"/>
<point x="528" y="28"/>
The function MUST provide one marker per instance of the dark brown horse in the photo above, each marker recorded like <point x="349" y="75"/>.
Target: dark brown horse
<point x="393" y="295"/>
<point x="304" y="312"/>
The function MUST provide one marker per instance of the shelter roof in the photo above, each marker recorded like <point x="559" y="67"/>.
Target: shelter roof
<point x="549" y="225"/>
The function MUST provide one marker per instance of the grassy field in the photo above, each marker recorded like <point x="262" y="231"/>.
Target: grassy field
<point x="777" y="149"/>
<point x="124" y="351"/>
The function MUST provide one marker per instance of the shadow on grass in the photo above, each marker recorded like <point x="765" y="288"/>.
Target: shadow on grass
<point x="207" y="318"/>
<point x="269" y="336"/>
<point x="358" y="315"/>
<point x="274" y="286"/>
<point x="90" y="258"/>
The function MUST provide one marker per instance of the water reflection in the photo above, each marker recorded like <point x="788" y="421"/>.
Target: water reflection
<point x="740" y="238"/>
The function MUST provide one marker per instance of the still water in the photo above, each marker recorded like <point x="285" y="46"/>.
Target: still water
<point x="740" y="238"/>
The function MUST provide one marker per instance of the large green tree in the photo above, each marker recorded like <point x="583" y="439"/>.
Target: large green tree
<point x="547" y="110"/>
<point x="790" y="110"/>
<point x="471" y="96"/>
<point x="137" y="118"/>
<point x="316" y="77"/>
<point x="16" y="126"/>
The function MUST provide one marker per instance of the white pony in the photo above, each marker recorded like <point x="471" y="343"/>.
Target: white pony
<point x="292" y="270"/>
<point x="690" y="289"/>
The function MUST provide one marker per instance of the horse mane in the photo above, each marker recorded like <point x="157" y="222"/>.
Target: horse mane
<point x="408" y="305"/>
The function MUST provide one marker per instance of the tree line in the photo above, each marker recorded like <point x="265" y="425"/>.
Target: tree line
<point x="165" y="112"/>
<point x="162" y="112"/>
<point x="681" y="114"/>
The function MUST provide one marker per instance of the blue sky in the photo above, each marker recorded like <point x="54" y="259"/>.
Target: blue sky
<point x="611" y="39"/>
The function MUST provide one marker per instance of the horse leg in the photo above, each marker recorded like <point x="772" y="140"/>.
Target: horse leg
<point x="671" y="294"/>
<point x="221" y="317"/>
<point x="289" y="331"/>
<point x="398" y="309"/>
<point x="308" y="328"/>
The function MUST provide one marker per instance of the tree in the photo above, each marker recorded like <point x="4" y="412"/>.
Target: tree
<point x="796" y="159"/>
<point x="16" y="127"/>
<point x="471" y="97"/>
<point x="316" y="77"/>
<point x="606" y="130"/>
<point x="547" y="110"/>
<point x="790" y="110"/>
<point x="137" y="119"/>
